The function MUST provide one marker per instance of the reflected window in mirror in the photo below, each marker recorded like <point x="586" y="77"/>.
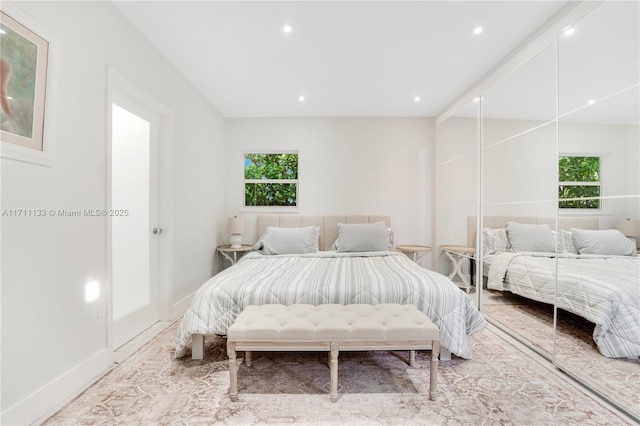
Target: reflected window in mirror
<point x="580" y="185"/>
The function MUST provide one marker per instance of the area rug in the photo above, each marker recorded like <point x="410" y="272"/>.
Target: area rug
<point x="500" y="385"/>
<point x="576" y="351"/>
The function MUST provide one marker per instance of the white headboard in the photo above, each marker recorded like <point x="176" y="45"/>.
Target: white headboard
<point x="565" y="222"/>
<point x="328" y="224"/>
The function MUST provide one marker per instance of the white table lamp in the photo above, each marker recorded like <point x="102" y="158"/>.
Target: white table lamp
<point x="236" y="228"/>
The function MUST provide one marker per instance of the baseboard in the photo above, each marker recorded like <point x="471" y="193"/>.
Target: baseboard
<point x="180" y="307"/>
<point x="50" y="397"/>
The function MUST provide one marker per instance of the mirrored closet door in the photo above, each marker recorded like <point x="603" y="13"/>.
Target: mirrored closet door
<point x="491" y="152"/>
<point x="575" y="95"/>
<point x="599" y="71"/>
<point x="519" y="144"/>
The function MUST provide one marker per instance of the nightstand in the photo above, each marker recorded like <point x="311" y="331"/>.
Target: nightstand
<point x="233" y="254"/>
<point x="415" y="252"/>
<point x="457" y="254"/>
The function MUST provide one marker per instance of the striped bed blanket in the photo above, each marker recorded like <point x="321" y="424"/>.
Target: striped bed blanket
<point x="331" y="277"/>
<point x="602" y="289"/>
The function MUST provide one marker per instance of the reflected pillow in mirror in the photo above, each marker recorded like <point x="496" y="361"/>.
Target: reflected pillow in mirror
<point x="526" y="237"/>
<point x="277" y="240"/>
<point x="494" y="240"/>
<point x="603" y="242"/>
<point x="566" y="243"/>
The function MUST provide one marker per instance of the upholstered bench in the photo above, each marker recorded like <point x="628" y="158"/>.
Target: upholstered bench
<point x="332" y="328"/>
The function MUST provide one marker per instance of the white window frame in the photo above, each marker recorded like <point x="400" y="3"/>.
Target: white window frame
<point x="603" y="203"/>
<point x="284" y="181"/>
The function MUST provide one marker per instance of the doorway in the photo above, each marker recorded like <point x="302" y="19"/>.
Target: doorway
<point x="135" y="234"/>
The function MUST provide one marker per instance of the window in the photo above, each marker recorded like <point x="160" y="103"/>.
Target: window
<point x="580" y="186"/>
<point x="271" y="180"/>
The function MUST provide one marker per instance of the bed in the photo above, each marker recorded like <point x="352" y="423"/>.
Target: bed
<point x="598" y="273"/>
<point x="329" y="259"/>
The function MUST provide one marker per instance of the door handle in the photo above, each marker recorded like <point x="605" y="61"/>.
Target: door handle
<point x="157" y="231"/>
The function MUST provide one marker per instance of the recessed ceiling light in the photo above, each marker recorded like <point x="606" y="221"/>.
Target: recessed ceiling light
<point x="478" y="30"/>
<point x="301" y="98"/>
<point x="591" y="101"/>
<point x="569" y="31"/>
<point x="416" y="99"/>
<point x="287" y="28"/>
<point x="2" y="31"/>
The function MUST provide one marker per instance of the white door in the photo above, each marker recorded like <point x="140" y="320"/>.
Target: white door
<point x="134" y="218"/>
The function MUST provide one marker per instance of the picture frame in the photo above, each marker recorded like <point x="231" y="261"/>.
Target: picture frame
<point x="25" y="67"/>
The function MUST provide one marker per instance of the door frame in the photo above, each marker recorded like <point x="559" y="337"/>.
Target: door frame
<point x="118" y="85"/>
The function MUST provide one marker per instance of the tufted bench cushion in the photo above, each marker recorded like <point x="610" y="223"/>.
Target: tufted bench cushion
<point x="332" y="328"/>
<point x="332" y="322"/>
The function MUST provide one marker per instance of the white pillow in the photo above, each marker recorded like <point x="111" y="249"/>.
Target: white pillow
<point x="277" y="240"/>
<point x="363" y="237"/>
<point x="530" y="237"/>
<point x="603" y="242"/>
<point x="494" y="240"/>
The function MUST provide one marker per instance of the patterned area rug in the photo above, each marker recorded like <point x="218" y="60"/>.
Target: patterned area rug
<point x="576" y="351"/>
<point x="500" y="385"/>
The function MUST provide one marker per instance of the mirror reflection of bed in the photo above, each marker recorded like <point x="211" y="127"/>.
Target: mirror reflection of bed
<point x="596" y="293"/>
<point x="499" y="150"/>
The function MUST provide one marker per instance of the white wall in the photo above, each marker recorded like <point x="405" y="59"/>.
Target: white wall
<point x="46" y="261"/>
<point x="346" y="166"/>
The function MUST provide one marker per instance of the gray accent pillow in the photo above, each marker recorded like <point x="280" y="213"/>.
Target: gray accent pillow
<point x="277" y="240"/>
<point x="530" y="237"/>
<point x="603" y="242"/>
<point x="362" y="237"/>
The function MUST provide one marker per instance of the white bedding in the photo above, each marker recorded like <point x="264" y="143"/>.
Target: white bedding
<point x="603" y="289"/>
<point x="330" y="277"/>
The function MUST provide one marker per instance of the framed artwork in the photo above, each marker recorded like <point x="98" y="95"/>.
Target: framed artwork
<point x="24" y="60"/>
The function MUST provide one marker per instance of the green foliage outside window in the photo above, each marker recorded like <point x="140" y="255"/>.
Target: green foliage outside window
<point x="579" y="182"/>
<point x="271" y="180"/>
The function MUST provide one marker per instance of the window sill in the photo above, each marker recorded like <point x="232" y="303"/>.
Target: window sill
<point x="269" y="209"/>
<point x="584" y="212"/>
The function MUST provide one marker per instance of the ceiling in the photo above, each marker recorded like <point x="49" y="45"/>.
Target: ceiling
<point x="348" y="59"/>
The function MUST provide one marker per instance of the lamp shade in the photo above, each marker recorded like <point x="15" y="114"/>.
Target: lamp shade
<point x="235" y="225"/>
<point x="630" y="228"/>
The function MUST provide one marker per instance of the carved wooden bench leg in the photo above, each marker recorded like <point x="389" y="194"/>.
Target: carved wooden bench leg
<point x="334" y="371"/>
<point x="433" y="378"/>
<point x="412" y="358"/>
<point x="233" y="371"/>
<point x="247" y="358"/>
